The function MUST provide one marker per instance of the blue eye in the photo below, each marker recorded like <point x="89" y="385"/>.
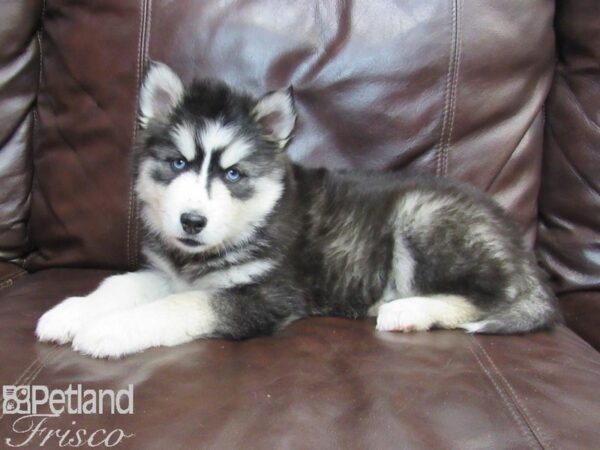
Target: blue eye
<point x="178" y="164"/>
<point x="233" y="175"/>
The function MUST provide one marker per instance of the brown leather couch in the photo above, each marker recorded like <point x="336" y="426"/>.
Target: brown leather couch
<point x="502" y="94"/>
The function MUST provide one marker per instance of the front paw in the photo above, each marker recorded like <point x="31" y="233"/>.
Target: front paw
<point x="63" y="321"/>
<point x="112" y="336"/>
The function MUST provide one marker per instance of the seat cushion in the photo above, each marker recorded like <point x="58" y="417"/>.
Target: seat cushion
<point x="319" y="383"/>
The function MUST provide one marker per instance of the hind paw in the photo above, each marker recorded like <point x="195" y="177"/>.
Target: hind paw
<point x="403" y="315"/>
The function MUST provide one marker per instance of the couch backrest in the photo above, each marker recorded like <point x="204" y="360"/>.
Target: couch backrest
<point x="447" y="87"/>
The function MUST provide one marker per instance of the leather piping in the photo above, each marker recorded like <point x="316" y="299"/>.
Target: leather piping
<point x="132" y="244"/>
<point x="441" y="157"/>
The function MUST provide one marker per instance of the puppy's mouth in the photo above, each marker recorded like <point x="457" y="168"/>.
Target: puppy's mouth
<point x="189" y="242"/>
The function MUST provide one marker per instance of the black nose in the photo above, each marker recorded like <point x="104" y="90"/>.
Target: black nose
<point x="192" y="223"/>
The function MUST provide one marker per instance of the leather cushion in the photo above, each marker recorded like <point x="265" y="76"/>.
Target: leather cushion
<point x="320" y="383"/>
<point x="582" y="314"/>
<point x="19" y="75"/>
<point x="569" y="225"/>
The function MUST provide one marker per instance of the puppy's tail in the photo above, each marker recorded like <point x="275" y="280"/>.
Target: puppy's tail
<point x="535" y="308"/>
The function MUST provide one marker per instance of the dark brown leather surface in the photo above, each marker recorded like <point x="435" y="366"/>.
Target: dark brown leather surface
<point x="9" y="273"/>
<point x="21" y="302"/>
<point x="443" y="87"/>
<point x="581" y="311"/>
<point x="448" y="87"/>
<point x="569" y="230"/>
<point x="320" y="383"/>
<point x="82" y="208"/>
<point x="569" y="225"/>
<point x="19" y="72"/>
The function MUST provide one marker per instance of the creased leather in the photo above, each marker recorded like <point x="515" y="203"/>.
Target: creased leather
<point x="19" y="72"/>
<point x="454" y="88"/>
<point x="446" y="87"/>
<point x="81" y="212"/>
<point x="582" y="314"/>
<point x="569" y="222"/>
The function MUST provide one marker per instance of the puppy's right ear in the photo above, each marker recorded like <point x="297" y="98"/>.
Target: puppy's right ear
<point x="161" y="91"/>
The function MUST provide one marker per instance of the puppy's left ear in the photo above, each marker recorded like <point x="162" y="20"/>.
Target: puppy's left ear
<point x="276" y="114"/>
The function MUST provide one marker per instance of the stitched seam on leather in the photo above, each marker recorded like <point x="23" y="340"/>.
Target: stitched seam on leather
<point x="453" y="93"/>
<point x="12" y="274"/>
<point x="35" y="368"/>
<point x="143" y="58"/>
<point x="531" y="423"/>
<point x="148" y="30"/>
<point x="49" y="358"/>
<point x="133" y="134"/>
<point x="146" y="47"/>
<point x="18" y="381"/>
<point x="131" y="213"/>
<point x="39" y="36"/>
<point x="510" y="406"/>
<point x="9" y="281"/>
<point x="447" y="92"/>
<point x="24" y="374"/>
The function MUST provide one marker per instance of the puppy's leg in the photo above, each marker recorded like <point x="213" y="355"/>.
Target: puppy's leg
<point x="422" y="313"/>
<point x="185" y="316"/>
<point x="173" y="320"/>
<point x="117" y="292"/>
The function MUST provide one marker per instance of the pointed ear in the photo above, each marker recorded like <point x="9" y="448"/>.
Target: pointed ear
<point x="161" y="91"/>
<point x="276" y="114"/>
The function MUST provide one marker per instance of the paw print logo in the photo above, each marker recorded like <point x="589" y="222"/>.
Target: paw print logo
<point x="16" y="399"/>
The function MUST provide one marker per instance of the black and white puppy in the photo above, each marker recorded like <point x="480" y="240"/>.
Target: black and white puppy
<point x="240" y="242"/>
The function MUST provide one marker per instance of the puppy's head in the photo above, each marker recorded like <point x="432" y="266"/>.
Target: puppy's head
<point x="209" y="164"/>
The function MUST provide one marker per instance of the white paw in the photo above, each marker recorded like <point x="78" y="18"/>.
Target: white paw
<point x="405" y="316"/>
<point x="63" y="321"/>
<point x="111" y="336"/>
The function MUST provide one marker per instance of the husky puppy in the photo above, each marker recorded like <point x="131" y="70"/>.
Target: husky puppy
<point x="240" y="242"/>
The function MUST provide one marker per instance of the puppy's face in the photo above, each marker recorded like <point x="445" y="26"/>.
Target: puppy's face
<point x="209" y="164"/>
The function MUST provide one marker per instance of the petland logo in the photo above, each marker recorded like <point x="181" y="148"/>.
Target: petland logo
<point x="37" y="405"/>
